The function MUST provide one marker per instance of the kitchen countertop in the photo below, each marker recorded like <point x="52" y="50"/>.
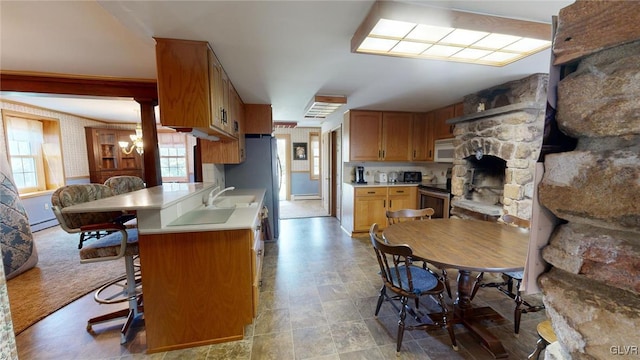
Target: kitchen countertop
<point x="375" y="184"/>
<point x="158" y="206"/>
<point x="441" y="187"/>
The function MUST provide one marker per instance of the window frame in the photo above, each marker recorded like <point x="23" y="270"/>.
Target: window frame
<point x="49" y="168"/>
<point x="161" y="136"/>
<point x="313" y="154"/>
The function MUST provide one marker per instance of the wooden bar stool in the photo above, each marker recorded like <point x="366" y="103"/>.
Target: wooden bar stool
<point x="546" y="337"/>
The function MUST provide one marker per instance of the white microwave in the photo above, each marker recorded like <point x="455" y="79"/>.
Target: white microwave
<point x="444" y="151"/>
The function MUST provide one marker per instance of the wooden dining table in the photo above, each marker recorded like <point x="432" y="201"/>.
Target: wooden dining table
<point x="468" y="246"/>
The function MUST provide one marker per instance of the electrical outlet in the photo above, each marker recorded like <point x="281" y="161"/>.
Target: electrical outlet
<point x="46" y="206"/>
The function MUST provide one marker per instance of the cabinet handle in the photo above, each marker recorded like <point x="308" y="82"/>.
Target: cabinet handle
<point x="430" y="153"/>
<point x="414" y="154"/>
<point x="390" y="204"/>
<point x="379" y="154"/>
<point x="383" y="154"/>
<point x="371" y="192"/>
<point x="384" y="204"/>
<point x="400" y="191"/>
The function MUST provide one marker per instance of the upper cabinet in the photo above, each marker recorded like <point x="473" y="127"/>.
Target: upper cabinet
<point x="442" y="129"/>
<point x="258" y="119"/>
<point x="422" y="137"/>
<point x="193" y="90"/>
<point x="377" y="136"/>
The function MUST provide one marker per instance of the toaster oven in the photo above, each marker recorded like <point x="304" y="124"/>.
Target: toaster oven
<point x="412" y="177"/>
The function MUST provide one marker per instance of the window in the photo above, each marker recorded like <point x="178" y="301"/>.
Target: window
<point x="33" y="146"/>
<point x="173" y="156"/>
<point x="314" y="156"/>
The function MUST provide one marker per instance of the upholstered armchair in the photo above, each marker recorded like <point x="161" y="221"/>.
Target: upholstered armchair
<point x="72" y="223"/>
<point x="18" y="249"/>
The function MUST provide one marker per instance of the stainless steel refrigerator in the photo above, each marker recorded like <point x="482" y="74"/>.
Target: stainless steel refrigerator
<point x="259" y="170"/>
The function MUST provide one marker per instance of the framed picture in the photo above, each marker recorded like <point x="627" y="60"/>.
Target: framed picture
<point x="299" y="151"/>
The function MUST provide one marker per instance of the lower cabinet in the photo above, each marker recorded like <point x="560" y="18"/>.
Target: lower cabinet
<point x="199" y="287"/>
<point x="372" y="203"/>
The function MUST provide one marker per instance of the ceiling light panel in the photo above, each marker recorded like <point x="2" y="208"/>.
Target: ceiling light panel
<point x="407" y="30"/>
<point x="322" y="106"/>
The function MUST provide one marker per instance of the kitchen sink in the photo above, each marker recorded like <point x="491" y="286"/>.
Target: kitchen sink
<point x="202" y="216"/>
<point x="233" y="201"/>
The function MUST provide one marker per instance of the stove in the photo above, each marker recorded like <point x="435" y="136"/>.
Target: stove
<point x="434" y="187"/>
<point x="436" y="196"/>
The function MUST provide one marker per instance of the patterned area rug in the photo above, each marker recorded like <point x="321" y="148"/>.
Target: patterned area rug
<point x="301" y="209"/>
<point x="57" y="279"/>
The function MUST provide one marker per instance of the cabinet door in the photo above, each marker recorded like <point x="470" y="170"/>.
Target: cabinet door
<point x="108" y="148"/>
<point x="370" y="206"/>
<point x="258" y="119"/>
<point x="403" y="198"/>
<point x="396" y="136"/>
<point x="369" y="210"/>
<point x="225" y="97"/>
<point x="442" y="129"/>
<point x="183" y="83"/>
<point x="215" y="84"/>
<point x="365" y="135"/>
<point x="422" y="137"/>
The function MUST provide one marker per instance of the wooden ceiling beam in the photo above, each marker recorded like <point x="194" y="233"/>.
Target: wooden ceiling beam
<point x="78" y="85"/>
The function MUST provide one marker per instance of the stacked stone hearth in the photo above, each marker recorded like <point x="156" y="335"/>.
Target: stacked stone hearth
<point x="592" y="292"/>
<point x="505" y="122"/>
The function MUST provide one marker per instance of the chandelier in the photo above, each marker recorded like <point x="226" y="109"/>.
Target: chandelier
<point x="136" y="142"/>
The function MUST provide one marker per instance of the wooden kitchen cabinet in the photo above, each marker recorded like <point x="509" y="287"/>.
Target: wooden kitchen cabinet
<point x="191" y="87"/>
<point x="402" y="197"/>
<point x="422" y="137"/>
<point x="228" y="152"/>
<point x="181" y="270"/>
<point x="106" y="158"/>
<point x="370" y="206"/>
<point x="377" y="136"/>
<point x="396" y="136"/>
<point x="442" y="130"/>
<point x="372" y="203"/>
<point x="258" y="119"/>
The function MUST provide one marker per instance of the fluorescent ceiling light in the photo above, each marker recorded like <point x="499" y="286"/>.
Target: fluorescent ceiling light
<point x="322" y="106"/>
<point x="406" y="30"/>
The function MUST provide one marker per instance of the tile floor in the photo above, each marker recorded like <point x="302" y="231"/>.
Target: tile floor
<point x="317" y="302"/>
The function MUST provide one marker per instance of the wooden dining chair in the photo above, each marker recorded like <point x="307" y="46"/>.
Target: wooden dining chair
<point x="394" y="217"/>
<point x="510" y="285"/>
<point x="407" y="281"/>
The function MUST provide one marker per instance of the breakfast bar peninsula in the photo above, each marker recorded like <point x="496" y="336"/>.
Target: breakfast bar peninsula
<point x="200" y="263"/>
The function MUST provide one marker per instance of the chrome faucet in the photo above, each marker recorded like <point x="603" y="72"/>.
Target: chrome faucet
<point x="213" y="197"/>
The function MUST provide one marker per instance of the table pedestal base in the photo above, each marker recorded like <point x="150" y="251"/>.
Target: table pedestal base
<point x="472" y="318"/>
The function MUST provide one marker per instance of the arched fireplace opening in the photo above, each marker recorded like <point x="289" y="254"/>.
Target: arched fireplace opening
<point x="485" y="179"/>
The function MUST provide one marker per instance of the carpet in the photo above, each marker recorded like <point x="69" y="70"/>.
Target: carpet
<point x="57" y="279"/>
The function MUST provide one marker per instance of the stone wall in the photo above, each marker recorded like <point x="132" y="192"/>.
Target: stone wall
<point x="592" y="293"/>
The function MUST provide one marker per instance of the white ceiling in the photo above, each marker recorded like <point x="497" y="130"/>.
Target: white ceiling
<point x="277" y="52"/>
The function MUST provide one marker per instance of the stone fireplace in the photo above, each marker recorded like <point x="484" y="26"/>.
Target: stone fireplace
<point x="497" y="144"/>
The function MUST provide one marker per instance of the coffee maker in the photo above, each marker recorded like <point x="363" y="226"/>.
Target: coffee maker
<point x="360" y="175"/>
